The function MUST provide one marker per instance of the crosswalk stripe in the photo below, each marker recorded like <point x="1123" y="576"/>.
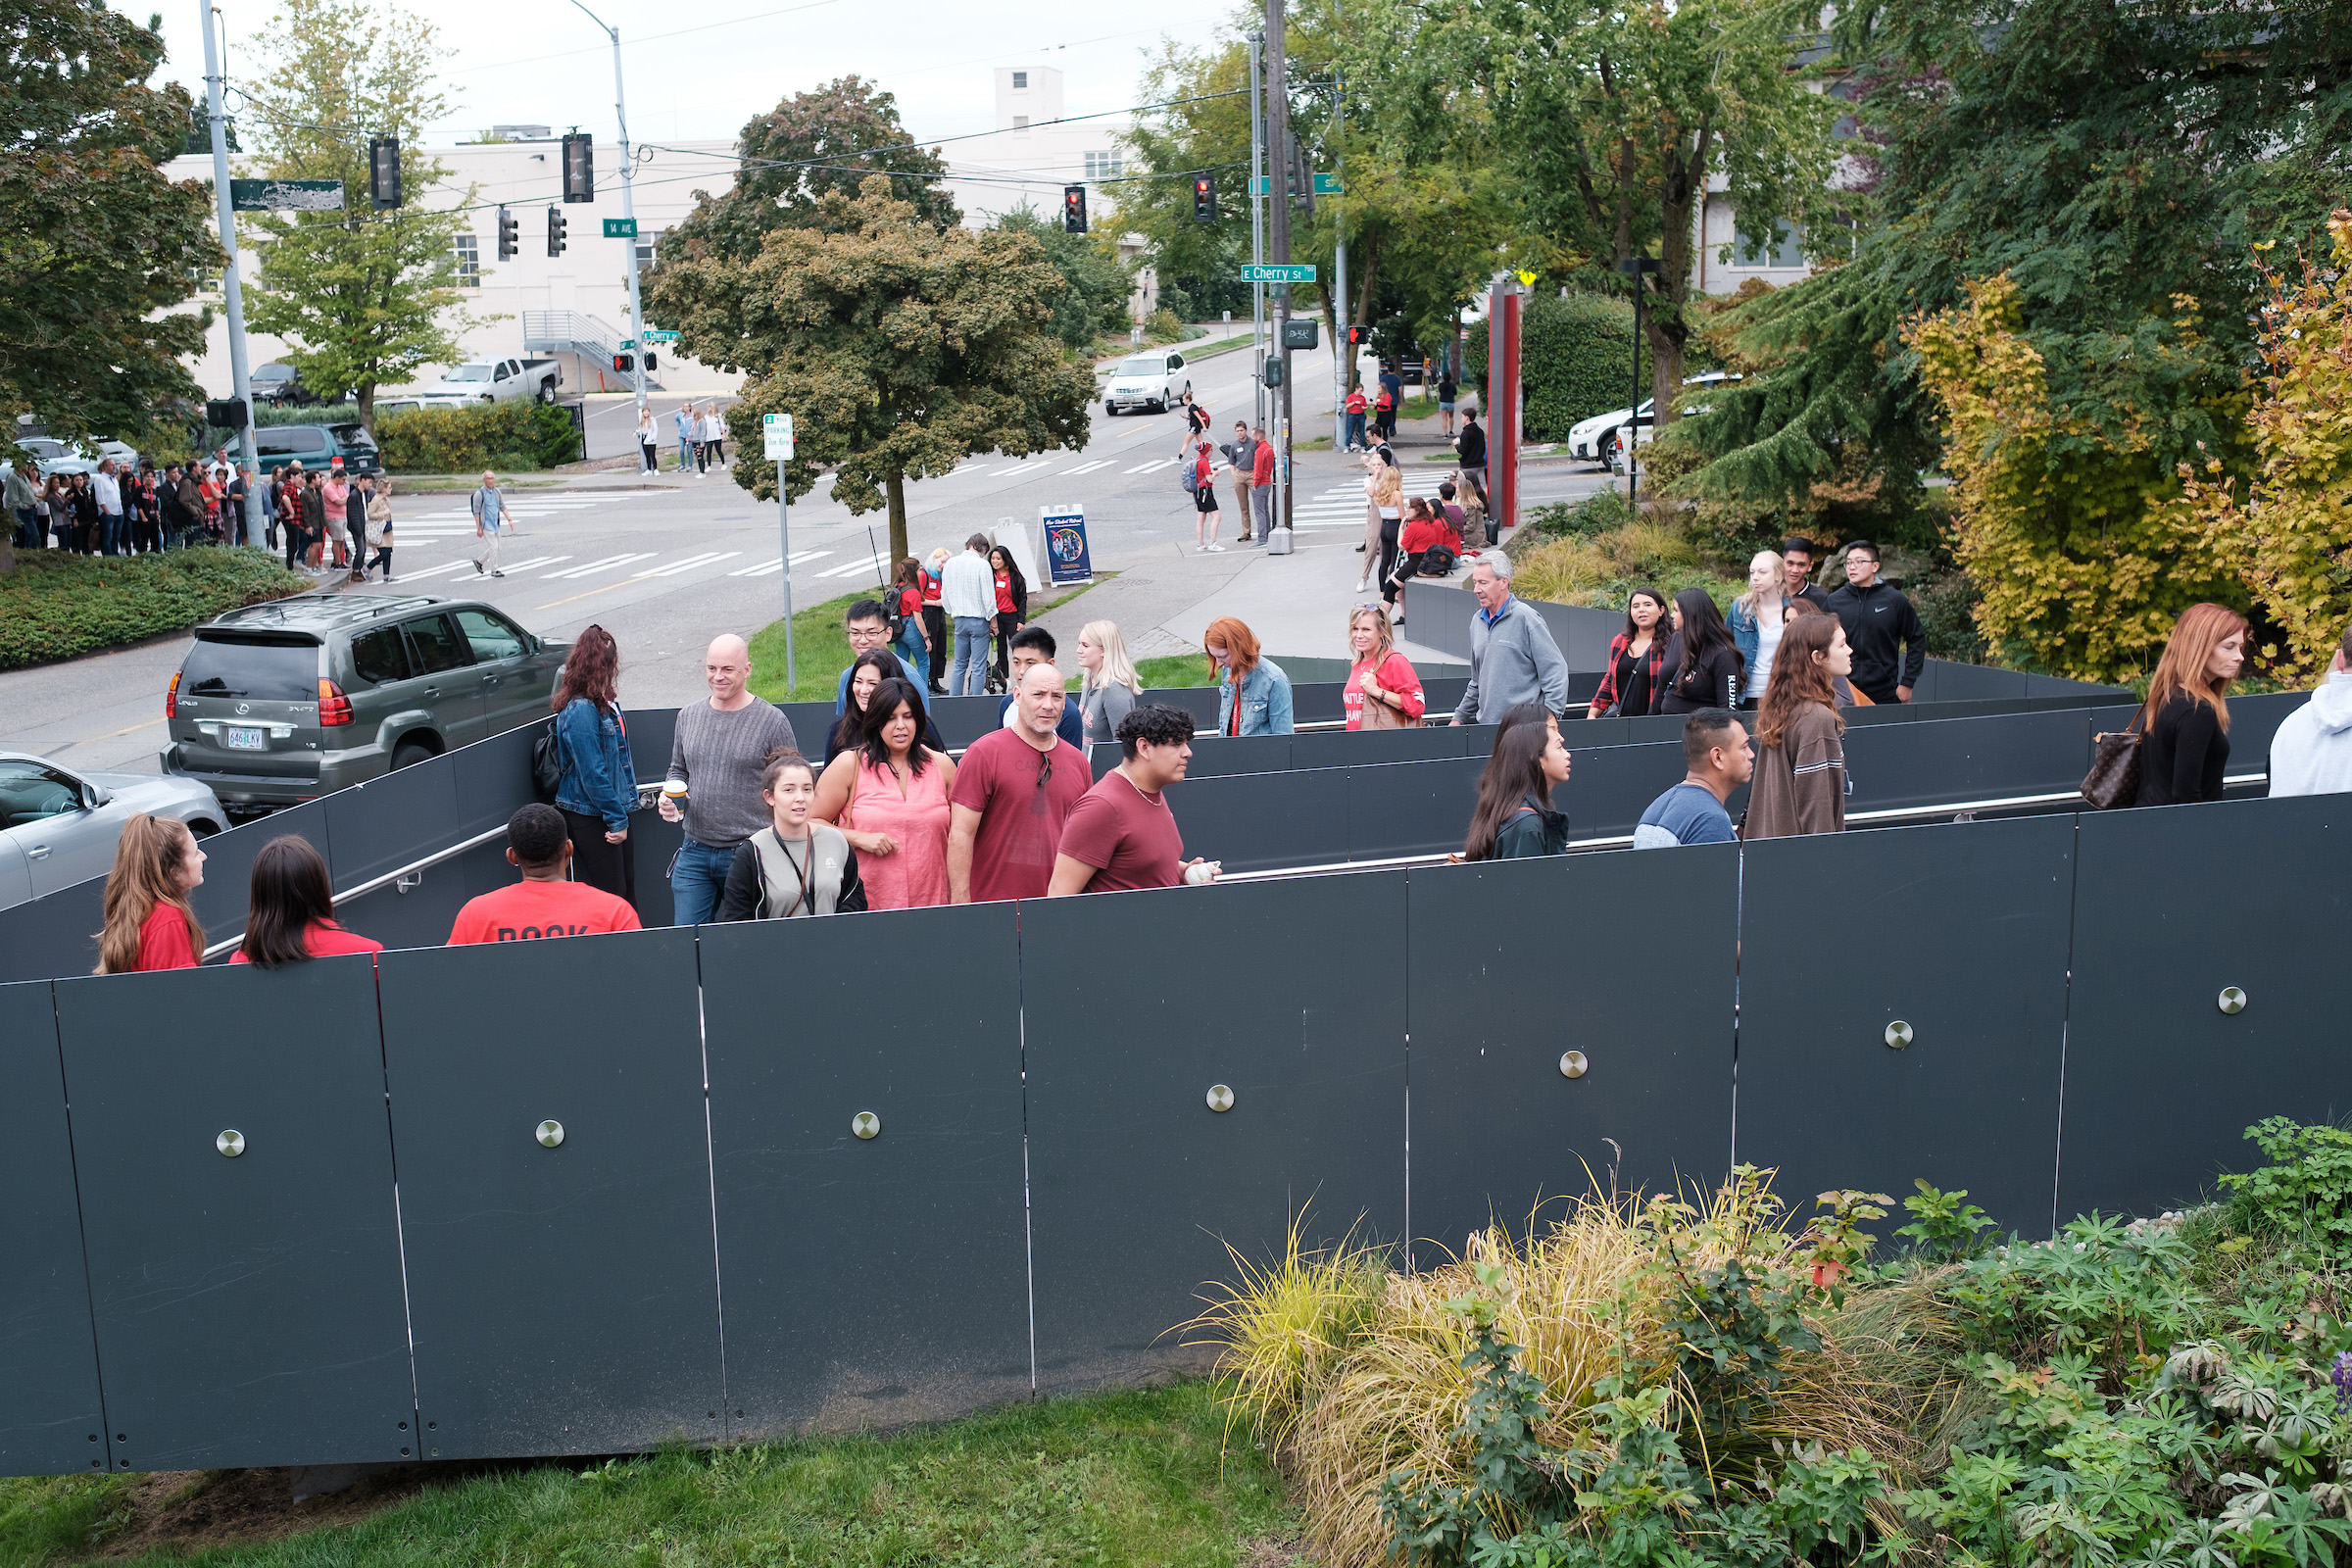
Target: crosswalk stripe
<point x="768" y="569"/>
<point x="606" y="564"/>
<point x="852" y="569"/>
<point x="1023" y="466"/>
<point x="1153" y="467"/>
<point x="1088" y="468"/>
<point x="435" y="572"/>
<point x="707" y="558"/>
<point x="535" y="560"/>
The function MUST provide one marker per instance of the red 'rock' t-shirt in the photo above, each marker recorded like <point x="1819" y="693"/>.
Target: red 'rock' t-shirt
<point x="1020" y="819"/>
<point x="1128" y="836"/>
<point x="529" y="910"/>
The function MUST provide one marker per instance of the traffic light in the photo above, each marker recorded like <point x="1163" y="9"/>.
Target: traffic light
<point x="1273" y="373"/>
<point x="383" y="172"/>
<point x="579" y="167"/>
<point x="556" y="226"/>
<point x="509" y="236"/>
<point x="652" y="363"/>
<point x="1073" y="208"/>
<point x="1205" y="198"/>
<point x="1358" y="337"/>
<point x="227" y="413"/>
<point x="624" y="363"/>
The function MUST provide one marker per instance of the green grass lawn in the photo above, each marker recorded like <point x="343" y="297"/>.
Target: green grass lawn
<point x="821" y="645"/>
<point x="56" y="605"/>
<point x="1175" y="669"/>
<point x="1115" y="1479"/>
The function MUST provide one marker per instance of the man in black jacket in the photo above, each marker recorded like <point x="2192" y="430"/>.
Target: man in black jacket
<point x="1796" y="557"/>
<point x="1879" y="619"/>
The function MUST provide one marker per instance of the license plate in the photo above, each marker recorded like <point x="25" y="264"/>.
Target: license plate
<point x="244" y="738"/>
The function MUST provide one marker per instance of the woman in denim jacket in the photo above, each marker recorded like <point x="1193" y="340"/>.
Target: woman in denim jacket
<point x="600" y="780"/>
<point x="1263" y="707"/>
<point x="1758" y="618"/>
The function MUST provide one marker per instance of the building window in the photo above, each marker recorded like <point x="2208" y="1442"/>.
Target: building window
<point x="1021" y="82"/>
<point x="645" y="252"/>
<point x="1105" y="166"/>
<point x="470" y="262"/>
<point x="1020" y="122"/>
<point x="1787" y="251"/>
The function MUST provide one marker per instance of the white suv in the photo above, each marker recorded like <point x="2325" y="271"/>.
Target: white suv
<point x="1152" y="382"/>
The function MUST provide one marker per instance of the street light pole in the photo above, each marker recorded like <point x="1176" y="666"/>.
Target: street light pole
<point x="628" y="211"/>
<point x="1278" y="236"/>
<point x="1257" y="228"/>
<point x="231" y="286"/>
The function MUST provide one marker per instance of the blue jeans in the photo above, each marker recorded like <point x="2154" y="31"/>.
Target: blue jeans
<point x="114" y="534"/>
<point x="685" y="453"/>
<point x="695" y="881"/>
<point x="1355" y="429"/>
<point x="967" y="673"/>
<point x="915" y="654"/>
<point x="26" y="539"/>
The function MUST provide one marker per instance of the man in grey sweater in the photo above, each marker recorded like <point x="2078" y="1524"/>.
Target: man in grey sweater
<point x="719" y="749"/>
<point x="1512" y="657"/>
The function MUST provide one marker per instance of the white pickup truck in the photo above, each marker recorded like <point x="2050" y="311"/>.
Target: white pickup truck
<point x="494" y="382"/>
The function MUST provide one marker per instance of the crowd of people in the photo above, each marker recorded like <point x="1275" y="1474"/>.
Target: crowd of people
<point x="122" y="509"/>
<point x="885" y="817"/>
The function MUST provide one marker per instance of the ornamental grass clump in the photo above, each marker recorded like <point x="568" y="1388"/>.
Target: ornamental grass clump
<point x="1438" y="1411"/>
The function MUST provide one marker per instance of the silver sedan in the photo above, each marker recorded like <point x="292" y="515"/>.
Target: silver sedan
<point x="58" y="826"/>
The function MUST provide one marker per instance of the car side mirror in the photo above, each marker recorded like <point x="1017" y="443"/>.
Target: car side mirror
<point x="96" y="795"/>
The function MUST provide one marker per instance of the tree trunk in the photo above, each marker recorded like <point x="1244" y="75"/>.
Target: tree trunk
<point x="1669" y="326"/>
<point x="893" y="486"/>
<point x="367" y="405"/>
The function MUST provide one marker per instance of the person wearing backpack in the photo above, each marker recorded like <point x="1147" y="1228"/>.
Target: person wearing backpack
<point x="599" y="787"/>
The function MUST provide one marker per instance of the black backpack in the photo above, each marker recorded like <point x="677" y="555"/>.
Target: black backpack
<point x="547" y="762"/>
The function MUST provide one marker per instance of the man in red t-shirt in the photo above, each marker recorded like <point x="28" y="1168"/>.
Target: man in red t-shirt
<point x="1121" y="834"/>
<point x="543" y="903"/>
<point x="1013" y="791"/>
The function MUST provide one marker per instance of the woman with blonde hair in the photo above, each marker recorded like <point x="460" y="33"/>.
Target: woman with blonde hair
<point x="1758" y="618"/>
<point x="2185" y="724"/>
<point x="1254" y="696"/>
<point x="1800" y="784"/>
<point x="1384" y="517"/>
<point x="1383" y="691"/>
<point x="149" y="924"/>
<point x="1108" y="682"/>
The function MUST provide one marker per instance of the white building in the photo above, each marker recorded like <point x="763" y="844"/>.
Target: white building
<point x="576" y="305"/>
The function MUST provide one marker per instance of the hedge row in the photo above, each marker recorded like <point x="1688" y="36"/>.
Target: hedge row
<point x="55" y="604"/>
<point x="487" y="435"/>
<point x="1575" y="358"/>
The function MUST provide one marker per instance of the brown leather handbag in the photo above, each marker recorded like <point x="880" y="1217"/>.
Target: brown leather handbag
<point x="2113" y="777"/>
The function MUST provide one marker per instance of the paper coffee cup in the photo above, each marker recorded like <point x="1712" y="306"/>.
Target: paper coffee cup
<point x="674" y="788"/>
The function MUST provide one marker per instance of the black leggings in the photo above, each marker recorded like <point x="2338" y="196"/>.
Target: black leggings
<point x="1388" y="527"/>
<point x="609" y="867"/>
<point x="1008" y="622"/>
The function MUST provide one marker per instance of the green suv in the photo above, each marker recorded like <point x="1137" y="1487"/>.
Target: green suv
<point x="281" y="703"/>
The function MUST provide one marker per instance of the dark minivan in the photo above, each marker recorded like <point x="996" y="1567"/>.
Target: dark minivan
<point x="281" y="703"/>
<point x="317" y="446"/>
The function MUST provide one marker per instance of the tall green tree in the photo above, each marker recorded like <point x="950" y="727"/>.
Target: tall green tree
<point x="2113" y="162"/>
<point x="365" y="298"/>
<point x="1096" y="284"/>
<point x="831" y="138"/>
<point x="899" y="348"/>
<point x="1615" y="118"/>
<point x="96" y="246"/>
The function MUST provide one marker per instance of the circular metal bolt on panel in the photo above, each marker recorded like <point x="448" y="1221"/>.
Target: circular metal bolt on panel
<point x="231" y="1143"/>
<point x="1573" y="1065"/>
<point x="1220" y="1097"/>
<point x="1898" y="1033"/>
<point x="550" y="1133"/>
<point x="865" y="1124"/>
<point x="2233" y="999"/>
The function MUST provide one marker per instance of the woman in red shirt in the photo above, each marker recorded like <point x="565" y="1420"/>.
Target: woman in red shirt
<point x="1013" y="608"/>
<point x="293" y="912"/>
<point x="148" y="923"/>
<point x="1425" y="530"/>
<point x="1383" y="692"/>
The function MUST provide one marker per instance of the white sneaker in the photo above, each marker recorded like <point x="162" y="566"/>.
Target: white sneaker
<point x="1216" y="550"/>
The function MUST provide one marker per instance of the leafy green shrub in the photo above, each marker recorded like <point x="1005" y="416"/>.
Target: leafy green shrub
<point x="1941" y="1225"/>
<point x="56" y="605"/>
<point x="1601" y="512"/>
<point x="2305" y="1190"/>
<point x="518" y="435"/>
<point x="1576" y="360"/>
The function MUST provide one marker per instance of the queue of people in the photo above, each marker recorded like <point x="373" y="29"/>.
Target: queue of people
<point x="117" y="508"/>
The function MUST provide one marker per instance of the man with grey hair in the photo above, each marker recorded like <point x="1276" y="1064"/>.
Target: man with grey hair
<point x="489" y="515"/>
<point x="1513" y="658"/>
<point x="717" y="751"/>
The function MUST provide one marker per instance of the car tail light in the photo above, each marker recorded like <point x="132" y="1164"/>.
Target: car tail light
<point x="334" y="707"/>
<point x="171" y="696"/>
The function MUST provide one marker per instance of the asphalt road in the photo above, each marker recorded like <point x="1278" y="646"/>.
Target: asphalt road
<point x="666" y="570"/>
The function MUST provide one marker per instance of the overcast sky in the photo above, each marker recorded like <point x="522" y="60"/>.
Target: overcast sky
<point x="699" y="71"/>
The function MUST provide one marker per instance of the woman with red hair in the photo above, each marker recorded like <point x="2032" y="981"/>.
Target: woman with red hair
<point x="599" y="779"/>
<point x="2185" y="725"/>
<point x="1253" y="695"/>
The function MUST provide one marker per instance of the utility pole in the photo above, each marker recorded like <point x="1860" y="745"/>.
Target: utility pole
<point x="1258" y="227"/>
<point x="628" y="209"/>
<point x="231" y="286"/>
<point x="1343" y="357"/>
<point x="1278" y="235"/>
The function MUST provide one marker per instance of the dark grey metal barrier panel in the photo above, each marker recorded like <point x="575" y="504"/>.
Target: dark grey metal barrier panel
<point x="1318" y="701"/>
<point x="1215" y="756"/>
<point x="220" y="901"/>
<point x="386" y="823"/>
<point x="2161" y="1084"/>
<point x="51" y="1420"/>
<point x="1944" y="680"/>
<point x="1357" y="748"/>
<point x="1438" y="619"/>
<point x="1259" y="821"/>
<point x="1407" y="808"/>
<point x="1137" y="1185"/>
<point x="650" y="731"/>
<point x="1198" y="701"/>
<point x="1913" y="712"/>
<point x="1609" y="787"/>
<point x="963" y="721"/>
<point x="812" y="722"/>
<point x="869" y="1281"/>
<point x="2039" y="752"/>
<point x="53" y="935"/>
<point x="421" y="916"/>
<point x="2061" y="688"/>
<point x="1958" y="933"/>
<point x="564" y="1299"/>
<point x="248" y="1308"/>
<point x="1498" y="998"/>
<point x="494" y="778"/>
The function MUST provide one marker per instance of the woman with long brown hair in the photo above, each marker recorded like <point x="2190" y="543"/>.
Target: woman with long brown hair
<point x="149" y="924"/>
<point x="1514" y="819"/>
<point x="1800" y="784"/>
<point x="291" y="915"/>
<point x="2185" y="723"/>
<point x="600" y="777"/>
